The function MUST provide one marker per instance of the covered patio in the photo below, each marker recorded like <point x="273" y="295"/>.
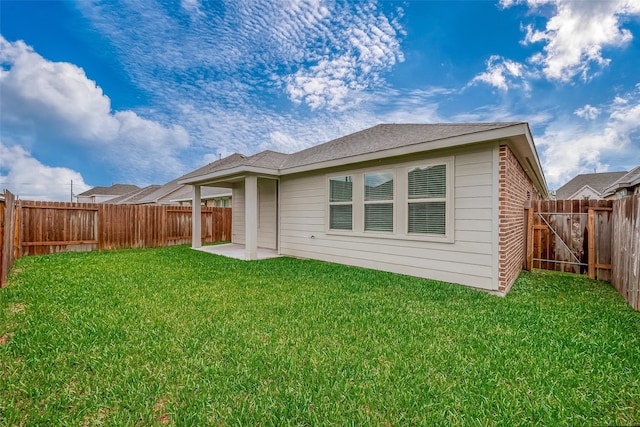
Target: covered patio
<point x="237" y="251"/>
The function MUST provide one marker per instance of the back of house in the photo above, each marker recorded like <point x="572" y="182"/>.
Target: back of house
<point x="440" y="201"/>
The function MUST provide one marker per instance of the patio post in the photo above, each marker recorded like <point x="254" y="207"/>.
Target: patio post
<point x="196" y="218"/>
<point x="251" y="217"/>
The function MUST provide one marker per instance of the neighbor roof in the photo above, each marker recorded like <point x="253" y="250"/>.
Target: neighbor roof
<point x="596" y="181"/>
<point x="186" y="193"/>
<point x="114" y="190"/>
<point x="180" y="192"/>
<point x="134" y="197"/>
<point x="630" y="179"/>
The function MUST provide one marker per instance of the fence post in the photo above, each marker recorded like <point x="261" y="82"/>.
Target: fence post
<point x="591" y="244"/>
<point x="529" y="237"/>
<point x="17" y="235"/>
<point x="196" y="218"/>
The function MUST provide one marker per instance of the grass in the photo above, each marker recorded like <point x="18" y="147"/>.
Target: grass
<point x="178" y="337"/>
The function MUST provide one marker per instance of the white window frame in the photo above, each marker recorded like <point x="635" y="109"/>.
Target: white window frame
<point x="350" y="203"/>
<point x="391" y="201"/>
<point x="447" y="199"/>
<point x="400" y="202"/>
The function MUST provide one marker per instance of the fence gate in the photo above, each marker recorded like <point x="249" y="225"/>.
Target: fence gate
<point x="570" y="235"/>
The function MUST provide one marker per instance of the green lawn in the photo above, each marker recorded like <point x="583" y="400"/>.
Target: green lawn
<point x="175" y="336"/>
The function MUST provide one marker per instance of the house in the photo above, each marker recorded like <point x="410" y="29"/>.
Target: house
<point x="103" y="194"/>
<point x="588" y="186"/>
<point x="626" y="185"/>
<point x="175" y="193"/>
<point x="439" y="201"/>
<point x="210" y="196"/>
<point x="134" y="197"/>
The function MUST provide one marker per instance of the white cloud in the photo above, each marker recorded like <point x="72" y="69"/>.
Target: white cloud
<point x="55" y="103"/>
<point x="319" y="53"/>
<point x="363" y="46"/>
<point x="503" y="74"/>
<point x="576" y="34"/>
<point x="504" y="113"/>
<point x="568" y="148"/>
<point x="283" y="142"/>
<point x="327" y="84"/>
<point x="192" y="7"/>
<point x="223" y="132"/>
<point x="29" y="179"/>
<point x="587" y="112"/>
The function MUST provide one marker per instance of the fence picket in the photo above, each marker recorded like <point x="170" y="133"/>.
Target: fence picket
<point x="51" y="227"/>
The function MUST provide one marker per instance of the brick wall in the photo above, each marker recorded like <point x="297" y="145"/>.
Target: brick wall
<point x="515" y="189"/>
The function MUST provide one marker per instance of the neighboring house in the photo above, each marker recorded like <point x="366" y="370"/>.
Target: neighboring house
<point x="175" y="193"/>
<point x="103" y="194"/>
<point x="439" y="201"/>
<point x="210" y="196"/>
<point x="626" y="185"/>
<point x="134" y="197"/>
<point x="588" y="186"/>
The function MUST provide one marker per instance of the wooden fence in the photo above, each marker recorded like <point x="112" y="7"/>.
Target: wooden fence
<point x="37" y="228"/>
<point x="595" y="237"/>
<point x="626" y="249"/>
<point x="570" y="235"/>
<point x="7" y="235"/>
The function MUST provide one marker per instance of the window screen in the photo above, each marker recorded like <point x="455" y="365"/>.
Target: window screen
<point x="427" y="210"/>
<point x="341" y="203"/>
<point x="378" y="201"/>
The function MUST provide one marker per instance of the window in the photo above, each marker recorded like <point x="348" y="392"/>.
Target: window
<point x="341" y="203"/>
<point x="378" y="201"/>
<point x="413" y="200"/>
<point x="427" y="200"/>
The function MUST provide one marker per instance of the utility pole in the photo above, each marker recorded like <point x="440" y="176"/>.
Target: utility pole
<point x="71" y="191"/>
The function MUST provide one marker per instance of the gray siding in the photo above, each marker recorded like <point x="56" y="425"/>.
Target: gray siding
<point x="237" y="219"/>
<point x="267" y="213"/>
<point x="469" y="259"/>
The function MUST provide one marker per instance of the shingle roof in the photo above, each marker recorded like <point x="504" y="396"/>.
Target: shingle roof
<point x="134" y="197"/>
<point x="385" y="137"/>
<point x="267" y="159"/>
<point x="160" y="191"/>
<point x="378" y="138"/>
<point x="175" y="186"/>
<point x="235" y="159"/>
<point x="597" y="181"/>
<point x="114" y="190"/>
<point x="630" y="179"/>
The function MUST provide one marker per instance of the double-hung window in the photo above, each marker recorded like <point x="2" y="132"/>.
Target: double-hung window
<point x="378" y="201"/>
<point x="341" y="203"/>
<point x="427" y="200"/>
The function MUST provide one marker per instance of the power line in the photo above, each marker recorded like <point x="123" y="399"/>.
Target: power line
<point x="33" y="183"/>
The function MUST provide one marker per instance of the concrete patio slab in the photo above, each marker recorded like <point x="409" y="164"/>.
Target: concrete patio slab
<point x="234" y="250"/>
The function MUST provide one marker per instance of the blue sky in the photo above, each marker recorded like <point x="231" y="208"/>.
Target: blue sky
<point x="143" y="91"/>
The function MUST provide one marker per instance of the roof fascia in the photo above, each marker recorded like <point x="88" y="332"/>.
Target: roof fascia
<point x="572" y="196"/>
<point x="612" y="189"/>
<point x="229" y="173"/>
<point x="527" y="154"/>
